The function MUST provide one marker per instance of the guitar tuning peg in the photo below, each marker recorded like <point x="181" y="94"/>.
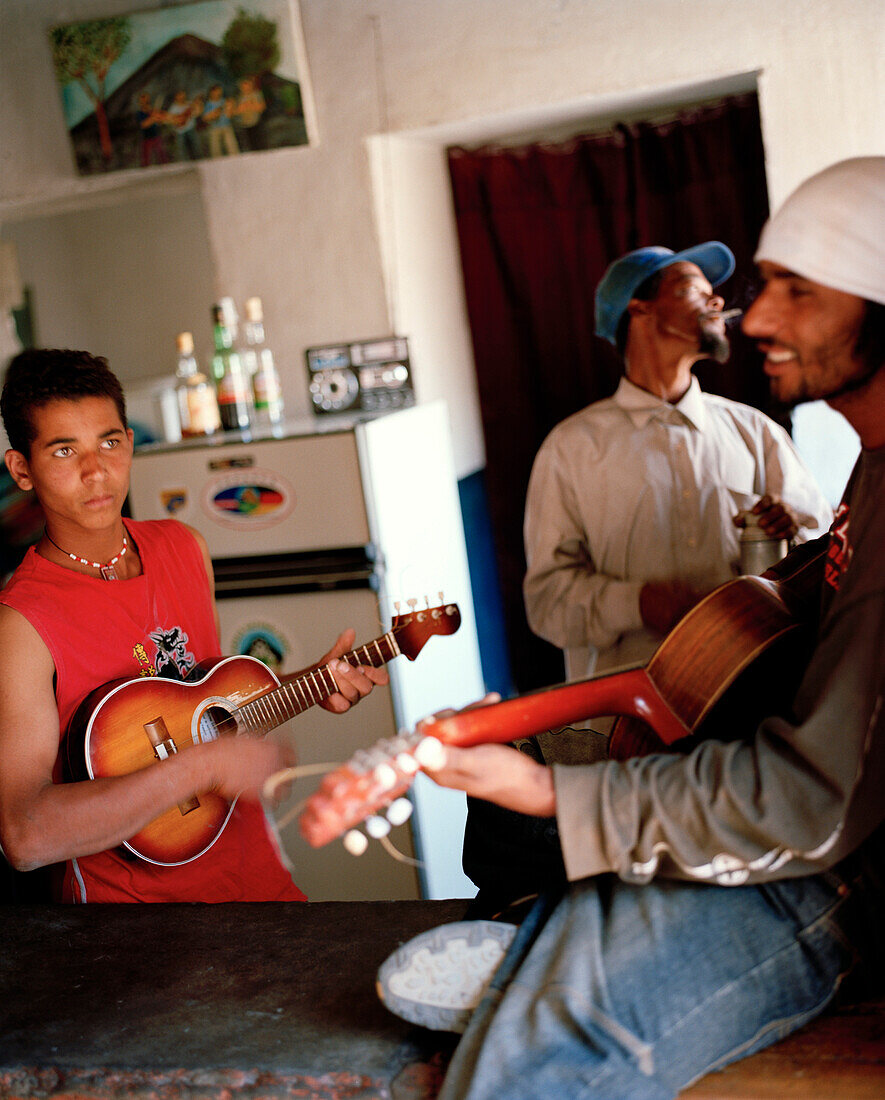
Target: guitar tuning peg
<point x="426" y="600"/>
<point x="385" y="777"/>
<point x="431" y="753"/>
<point x="399" y="811"/>
<point x="377" y="827"/>
<point x="407" y="764"/>
<point x="354" y="842"/>
<point x="412" y="603"/>
<point x="441" y="600"/>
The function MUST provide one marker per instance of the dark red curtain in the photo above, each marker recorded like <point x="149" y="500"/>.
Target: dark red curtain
<point x="537" y="227"/>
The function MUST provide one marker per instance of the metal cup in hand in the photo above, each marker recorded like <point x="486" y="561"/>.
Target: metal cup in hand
<point x="759" y="551"/>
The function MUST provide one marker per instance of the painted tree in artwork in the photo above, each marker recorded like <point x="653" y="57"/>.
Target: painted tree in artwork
<point x="249" y="45"/>
<point x="84" y="52"/>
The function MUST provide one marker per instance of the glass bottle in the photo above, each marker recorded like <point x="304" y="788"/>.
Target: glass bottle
<point x="232" y="384"/>
<point x="266" y="391"/>
<point x="197" y="404"/>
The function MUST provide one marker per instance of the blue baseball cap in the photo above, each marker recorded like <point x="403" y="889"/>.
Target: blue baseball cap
<point x="622" y="278"/>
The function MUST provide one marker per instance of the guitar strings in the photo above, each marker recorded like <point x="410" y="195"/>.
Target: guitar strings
<point x="399" y="856"/>
<point x="268" y="791"/>
<point x="286" y="775"/>
<point x="275" y="838"/>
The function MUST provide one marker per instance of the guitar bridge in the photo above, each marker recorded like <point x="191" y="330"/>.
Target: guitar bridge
<point x="164" y="747"/>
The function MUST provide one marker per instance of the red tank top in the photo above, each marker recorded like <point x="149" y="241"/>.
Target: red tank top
<point x="160" y="623"/>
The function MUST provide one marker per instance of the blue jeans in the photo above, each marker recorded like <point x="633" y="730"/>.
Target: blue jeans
<point x="628" y="992"/>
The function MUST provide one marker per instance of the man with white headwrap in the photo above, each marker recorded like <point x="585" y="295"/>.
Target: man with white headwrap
<point x="717" y="898"/>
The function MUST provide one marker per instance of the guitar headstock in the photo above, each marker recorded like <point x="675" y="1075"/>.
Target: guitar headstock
<point x="416" y="627"/>
<point x="369" y="781"/>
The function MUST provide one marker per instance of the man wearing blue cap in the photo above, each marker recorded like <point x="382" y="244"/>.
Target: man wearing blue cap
<point x="632" y="503"/>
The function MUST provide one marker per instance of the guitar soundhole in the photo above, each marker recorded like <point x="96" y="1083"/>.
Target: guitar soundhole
<point x="216" y="722"/>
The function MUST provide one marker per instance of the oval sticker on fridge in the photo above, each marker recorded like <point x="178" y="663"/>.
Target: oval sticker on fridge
<point x="248" y="499"/>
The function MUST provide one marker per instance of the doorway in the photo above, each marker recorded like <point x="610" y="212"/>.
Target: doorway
<point x="499" y="419"/>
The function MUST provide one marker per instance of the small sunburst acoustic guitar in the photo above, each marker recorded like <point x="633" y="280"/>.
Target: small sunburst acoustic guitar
<point x="734" y="659"/>
<point x="127" y="725"/>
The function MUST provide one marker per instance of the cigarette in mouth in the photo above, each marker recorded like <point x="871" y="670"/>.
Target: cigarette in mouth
<point x="725" y="314"/>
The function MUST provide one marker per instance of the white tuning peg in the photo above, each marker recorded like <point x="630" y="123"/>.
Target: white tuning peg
<point x="354" y="842"/>
<point x="407" y="763"/>
<point x="431" y="753"/>
<point x="377" y="827"/>
<point x="385" y="777"/>
<point x="399" y="811"/>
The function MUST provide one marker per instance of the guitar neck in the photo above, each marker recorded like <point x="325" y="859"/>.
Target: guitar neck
<point x="631" y="692"/>
<point x="699" y="661"/>
<point x="373" y="777"/>
<point x="297" y="695"/>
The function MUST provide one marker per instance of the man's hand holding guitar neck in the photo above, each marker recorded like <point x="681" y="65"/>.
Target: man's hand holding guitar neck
<point x="354" y="682"/>
<point x="497" y="773"/>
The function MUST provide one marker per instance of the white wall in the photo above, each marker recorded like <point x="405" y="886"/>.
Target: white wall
<point x="103" y="275"/>
<point x="300" y="227"/>
<point x="419" y="249"/>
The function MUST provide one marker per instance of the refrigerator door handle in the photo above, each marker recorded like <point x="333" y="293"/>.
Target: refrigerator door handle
<point x="273" y="574"/>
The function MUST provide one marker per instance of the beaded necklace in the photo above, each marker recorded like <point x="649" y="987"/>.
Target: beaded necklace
<point x="107" y="570"/>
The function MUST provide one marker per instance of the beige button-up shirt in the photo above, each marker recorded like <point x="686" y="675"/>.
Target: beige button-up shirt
<point x="633" y="489"/>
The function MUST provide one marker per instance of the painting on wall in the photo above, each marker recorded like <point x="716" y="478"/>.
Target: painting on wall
<point x="198" y="80"/>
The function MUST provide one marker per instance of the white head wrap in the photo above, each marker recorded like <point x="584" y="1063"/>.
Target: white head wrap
<point x="832" y="229"/>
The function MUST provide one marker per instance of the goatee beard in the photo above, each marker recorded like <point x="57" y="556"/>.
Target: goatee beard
<point x="714" y="345"/>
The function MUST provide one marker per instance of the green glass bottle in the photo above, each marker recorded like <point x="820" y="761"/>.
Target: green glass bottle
<point x="232" y="383"/>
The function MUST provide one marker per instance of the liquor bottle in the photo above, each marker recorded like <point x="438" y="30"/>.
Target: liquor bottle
<point x="232" y="385"/>
<point x="197" y="404"/>
<point x="266" y="391"/>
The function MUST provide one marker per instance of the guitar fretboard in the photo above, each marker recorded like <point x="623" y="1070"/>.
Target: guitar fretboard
<point x="296" y="696"/>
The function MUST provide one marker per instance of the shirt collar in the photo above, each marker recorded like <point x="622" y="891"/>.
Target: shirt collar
<point x="642" y="406"/>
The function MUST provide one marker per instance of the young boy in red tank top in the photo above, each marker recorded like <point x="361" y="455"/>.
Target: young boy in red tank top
<point x="98" y="599"/>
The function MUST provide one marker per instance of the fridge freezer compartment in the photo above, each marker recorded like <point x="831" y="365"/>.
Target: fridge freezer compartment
<point x="301" y="494"/>
<point x="311" y="571"/>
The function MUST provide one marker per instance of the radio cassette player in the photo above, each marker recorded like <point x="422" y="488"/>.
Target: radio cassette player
<point x="365" y="376"/>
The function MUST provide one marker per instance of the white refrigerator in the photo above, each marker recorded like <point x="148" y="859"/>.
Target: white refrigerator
<point x="322" y="526"/>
